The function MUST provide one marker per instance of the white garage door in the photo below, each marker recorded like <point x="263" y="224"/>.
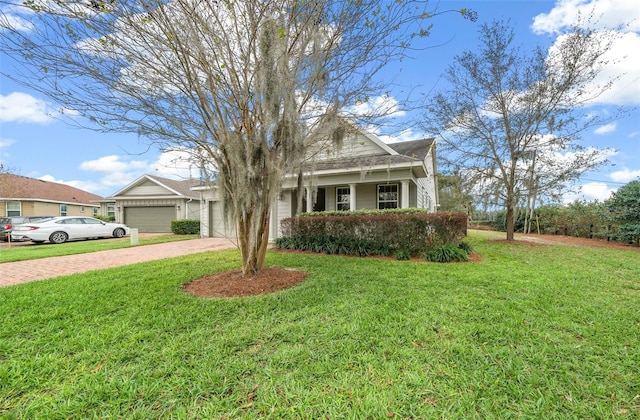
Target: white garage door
<point x="150" y="219"/>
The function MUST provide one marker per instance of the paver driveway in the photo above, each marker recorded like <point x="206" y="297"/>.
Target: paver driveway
<point x="44" y="268"/>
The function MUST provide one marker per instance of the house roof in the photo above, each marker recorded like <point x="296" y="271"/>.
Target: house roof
<point x="177" y="187"/>
<point x="408" y="152"/>
<point x="183" y="186"/>
<point x="22" y="188"/>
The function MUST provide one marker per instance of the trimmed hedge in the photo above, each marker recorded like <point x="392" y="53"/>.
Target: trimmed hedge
<point x="185" y="226"/>
<point x="401" y="233"/>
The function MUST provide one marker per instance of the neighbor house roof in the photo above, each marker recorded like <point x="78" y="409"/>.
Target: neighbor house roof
<point x="22" y="188"/>
<point x="408" y="151"/>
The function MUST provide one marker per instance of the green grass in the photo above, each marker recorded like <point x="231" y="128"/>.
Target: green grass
<point x="530" y="332"/>
<point x="32" y="251"/>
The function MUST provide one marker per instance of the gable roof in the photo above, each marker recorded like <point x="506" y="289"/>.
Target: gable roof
<point x="22" y="188"/>
<point x="404" y="152"/>
<point x="175" y="187"/>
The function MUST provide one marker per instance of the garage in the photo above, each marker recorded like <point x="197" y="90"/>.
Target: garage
<point x="150" y="219"/>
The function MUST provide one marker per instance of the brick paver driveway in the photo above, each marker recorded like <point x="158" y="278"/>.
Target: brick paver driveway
<point x="45" y="268"/>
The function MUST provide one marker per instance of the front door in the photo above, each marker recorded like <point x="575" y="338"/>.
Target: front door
<point x="320" y="200"/>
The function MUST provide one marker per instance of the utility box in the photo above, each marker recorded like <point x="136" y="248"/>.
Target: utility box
<point x="134" y="236"/>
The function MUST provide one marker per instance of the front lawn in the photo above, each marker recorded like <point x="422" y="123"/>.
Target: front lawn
<point x="531" y="331"/>
<point x="30" y="250"/>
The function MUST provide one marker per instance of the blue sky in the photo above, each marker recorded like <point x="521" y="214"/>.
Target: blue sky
<point x="34" y="144"/>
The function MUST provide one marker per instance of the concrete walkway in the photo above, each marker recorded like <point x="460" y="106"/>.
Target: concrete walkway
<point x="45" y="268"/>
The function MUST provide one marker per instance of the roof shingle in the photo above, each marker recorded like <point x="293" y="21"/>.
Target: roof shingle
<point x="18" y="187"/>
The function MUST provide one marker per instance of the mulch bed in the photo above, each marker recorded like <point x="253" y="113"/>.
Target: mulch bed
<point x="234" y="284"/>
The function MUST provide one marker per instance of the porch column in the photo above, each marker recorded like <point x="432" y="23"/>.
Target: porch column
<point x="309" y="200"/>
<point x="404" y="195"/>
<point x="352" y="197"/>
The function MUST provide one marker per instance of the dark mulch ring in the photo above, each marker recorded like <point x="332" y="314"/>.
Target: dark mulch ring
<point x="234" y="284"/>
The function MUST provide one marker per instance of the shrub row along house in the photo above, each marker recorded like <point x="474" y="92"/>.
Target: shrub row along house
<point x="365" y="173"/>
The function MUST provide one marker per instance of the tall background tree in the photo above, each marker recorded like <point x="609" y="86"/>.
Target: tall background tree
<point x="452" y="195"/>
<point x="252" y="86"/>
<point x="511" y="120"/>
<point x="624" y="206"/>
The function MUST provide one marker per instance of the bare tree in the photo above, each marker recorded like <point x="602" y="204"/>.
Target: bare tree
<point x="251" y="84"/>
<point x="511" y="121"/>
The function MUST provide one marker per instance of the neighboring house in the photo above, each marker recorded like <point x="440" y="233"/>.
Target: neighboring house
<point x="23" y="196"/>
<point x="150" y="203"/>
<point x="365" y="173"/>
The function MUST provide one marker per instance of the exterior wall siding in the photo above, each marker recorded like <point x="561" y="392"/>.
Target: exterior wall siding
<point x="41" y="208"/>
<point x="146" y="188"/>
<point x="353" y="145"/>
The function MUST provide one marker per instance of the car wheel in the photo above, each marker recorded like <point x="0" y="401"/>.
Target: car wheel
<point x="118" y="233"/>
<point x="58" y="237"/>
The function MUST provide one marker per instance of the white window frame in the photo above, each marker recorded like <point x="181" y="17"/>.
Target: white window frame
<point x="385" y="200"/>
<point x="63" y="209"/>
<point x="16" y="210"/>
<point x="341" y="203"/>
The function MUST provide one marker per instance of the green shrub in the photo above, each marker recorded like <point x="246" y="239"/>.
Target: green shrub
<point x="372" y="232"/>
<point x="402" y="255"/>
<point x="447" y="253"/>
<point x="466" y="247"/>
<point x="185" y="226"/>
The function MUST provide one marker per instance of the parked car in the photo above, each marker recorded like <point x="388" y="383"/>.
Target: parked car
<point x="61" y="229"/>
<point x="7" y="224"/>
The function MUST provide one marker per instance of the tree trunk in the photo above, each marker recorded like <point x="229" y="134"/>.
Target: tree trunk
<point x="510" y="222"/>
<point x="253" y="244"/>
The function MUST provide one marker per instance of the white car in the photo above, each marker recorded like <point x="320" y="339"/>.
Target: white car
<point x="61" y="229"/>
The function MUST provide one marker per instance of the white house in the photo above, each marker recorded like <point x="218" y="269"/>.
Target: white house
<point x="151" y="202"/>
<point x="365" y="173"/>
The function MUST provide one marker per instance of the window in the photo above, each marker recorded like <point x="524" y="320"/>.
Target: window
<point x="63" y="209"/>
<point x="13" y="208"/>
<point x="95" y="211"/>
<point x="81" y="209"/>
<point x="343" y="199"/>
<point x="388" y="196"/>
<point x="88" y="221"/>
<point x="111" y="210"/>
<point x="74" y="221"/>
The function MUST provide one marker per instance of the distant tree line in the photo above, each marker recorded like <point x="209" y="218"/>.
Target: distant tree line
<point x="615" y="219"/>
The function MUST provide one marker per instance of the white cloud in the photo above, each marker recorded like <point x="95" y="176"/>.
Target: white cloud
<point x="609" y="14"/>
<point x="82" y="185"/>
<point x="384" y="105"/>
<point x="17" y="23"/>
<point x="112" y="163"/>
<point x="24" y="108"/>
<point x="176" y="164"/>
<point x="591" y="191"/>
<point x="624" y="16"/>
<point x="4" y="142"/>
<point x="605" y="129"/>
<point x="119" y="170"/>
<point x="16" y="17"/>
<point x="625" y="175"/>
<point x="405" y="135"/>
